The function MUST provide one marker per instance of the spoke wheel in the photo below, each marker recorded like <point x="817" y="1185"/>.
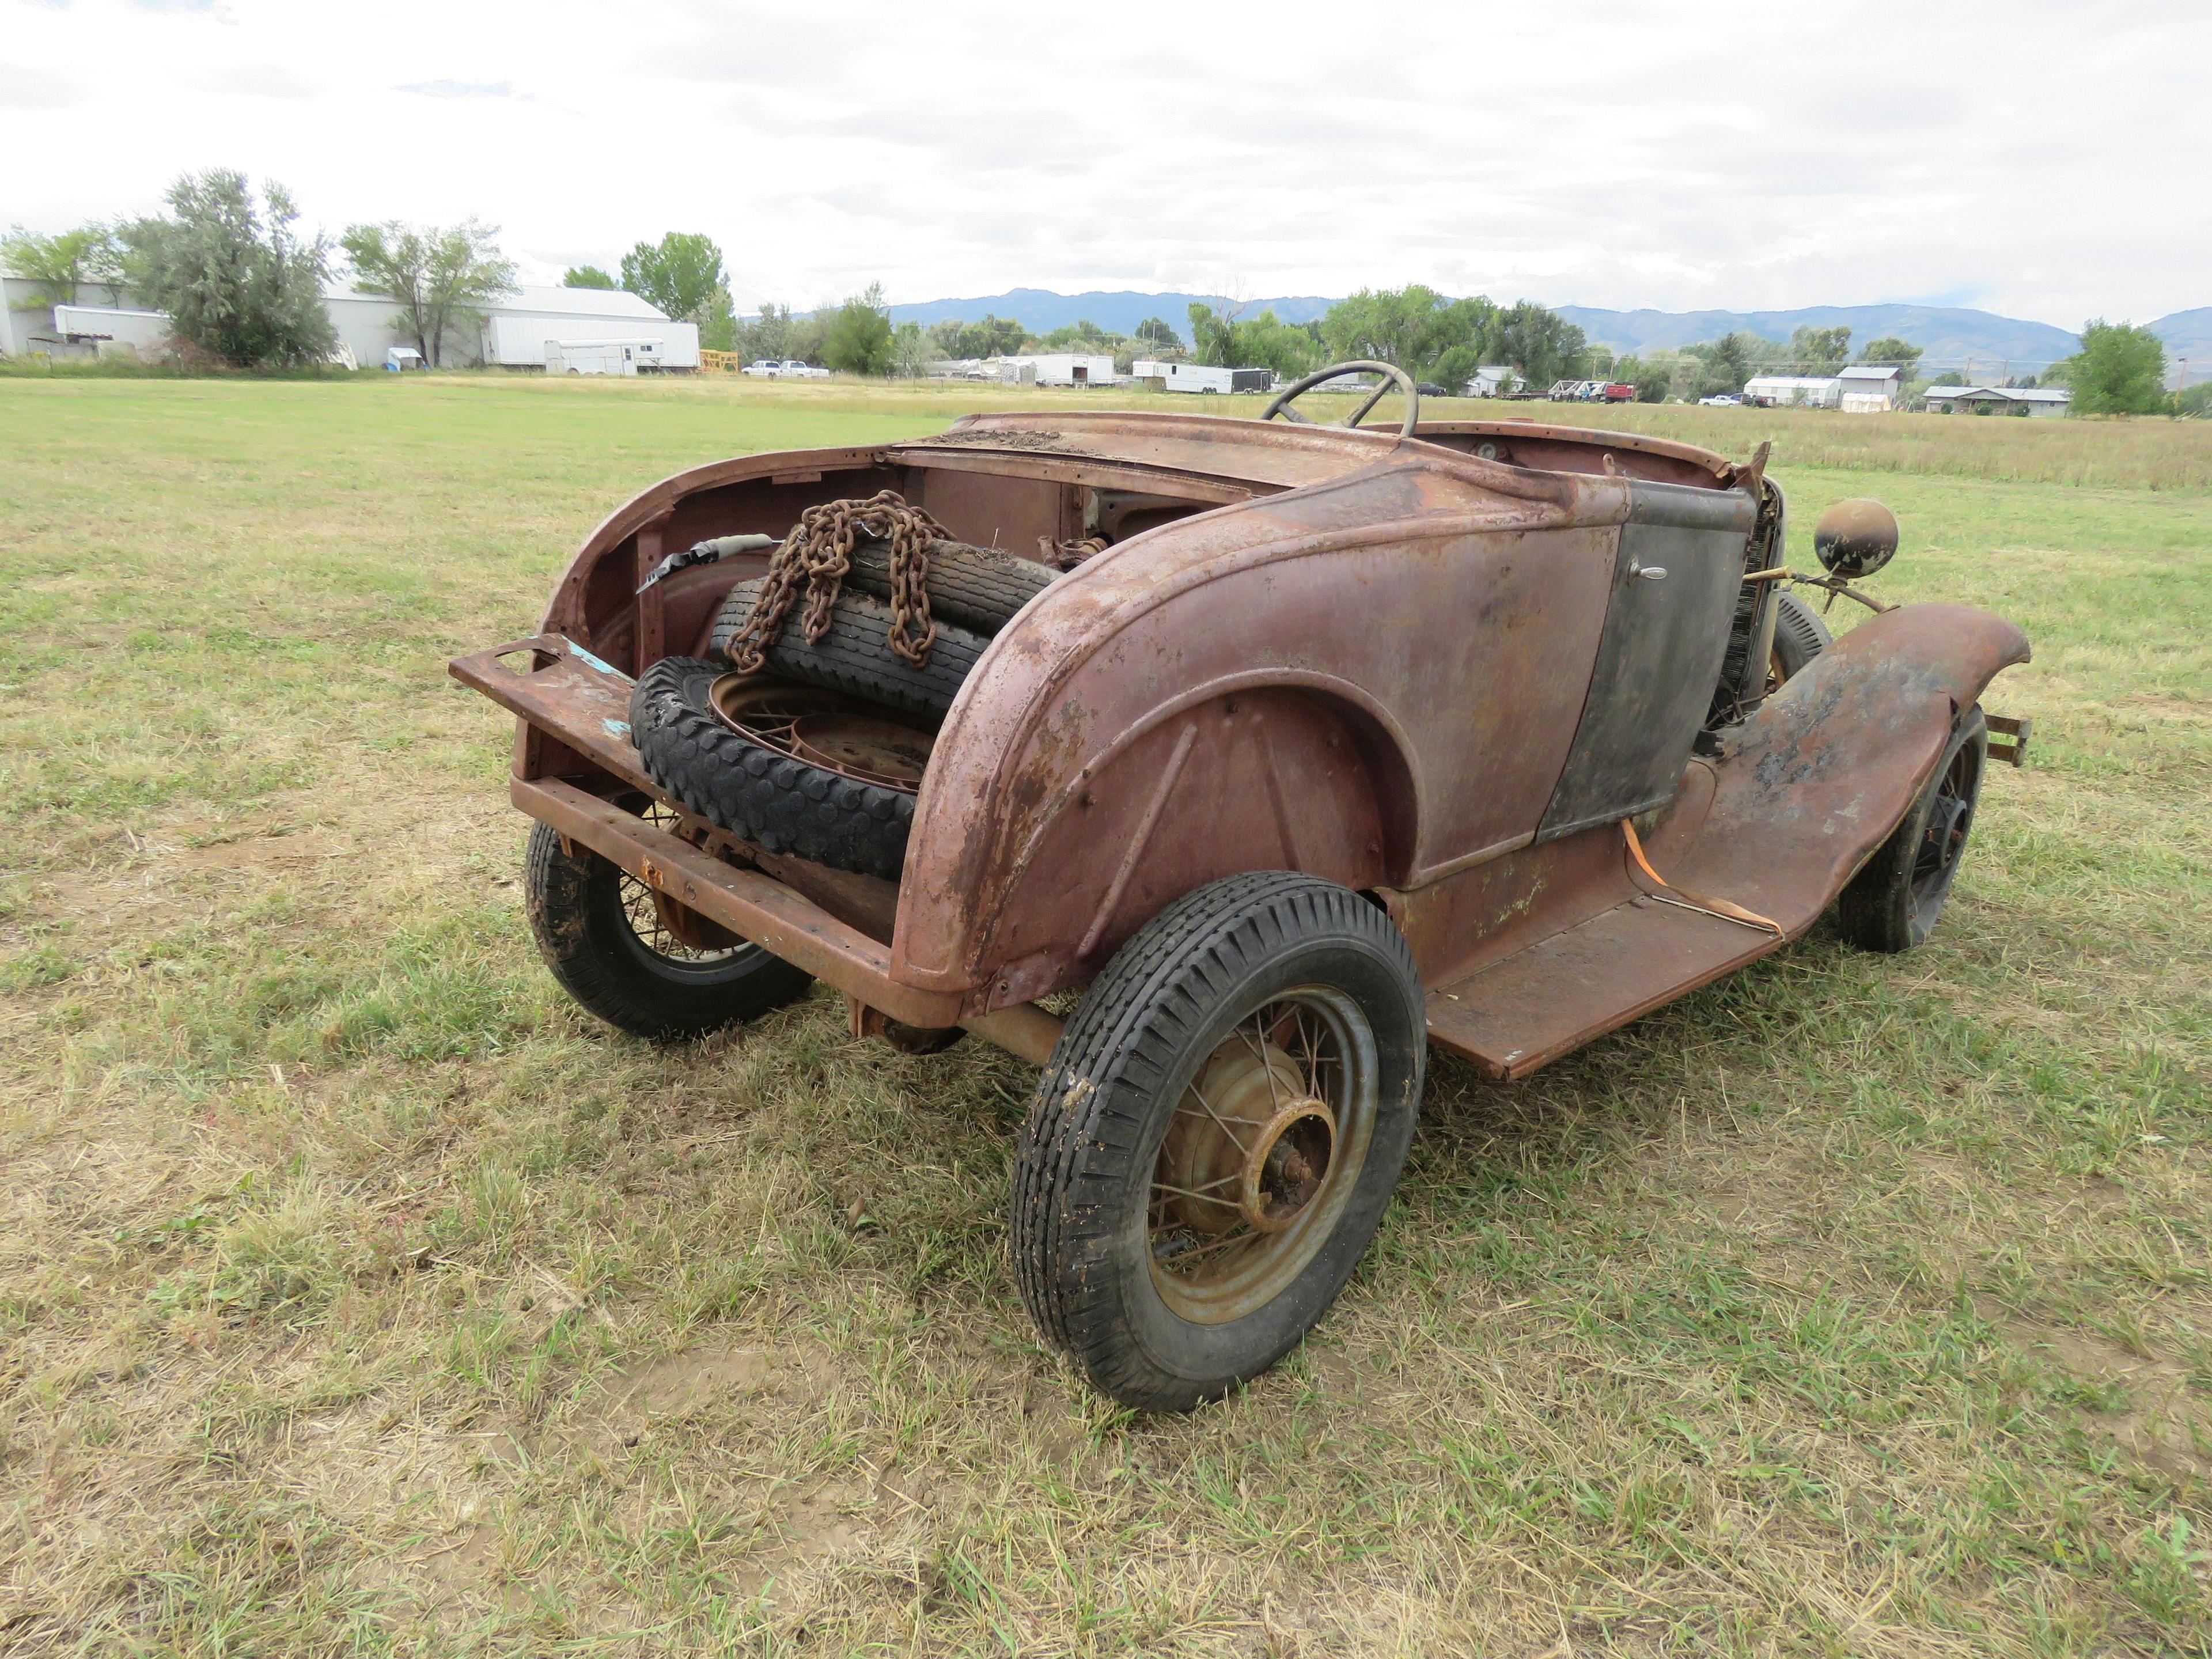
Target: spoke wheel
<point x="662" y="928"/>
<point x="641" y="963"/>
<point x="1267" y="1144"/>
<point x="1893" y="903"/>
<point x="1215" y="1140"/>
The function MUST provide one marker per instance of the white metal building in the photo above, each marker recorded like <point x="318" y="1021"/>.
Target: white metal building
<point x="2037" y="402"/>
<point x="1870" y="388"/>
<point x="1802" y="391"/>
<point x="515" y="333"/>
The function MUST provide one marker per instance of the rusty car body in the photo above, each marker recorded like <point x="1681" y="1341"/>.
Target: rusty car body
<point x="1506" y="681"/>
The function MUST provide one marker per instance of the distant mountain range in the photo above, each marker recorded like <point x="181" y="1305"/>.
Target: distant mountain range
<point x="1948" y="336"/>
<point x="1041" y="311"/>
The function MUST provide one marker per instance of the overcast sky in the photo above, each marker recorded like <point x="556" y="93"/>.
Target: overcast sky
<point x="2045" y="160"/>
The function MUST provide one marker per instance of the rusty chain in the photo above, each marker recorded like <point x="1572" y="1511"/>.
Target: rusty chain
<point x="816" y="555"/>
<point x="1065" y="556"/>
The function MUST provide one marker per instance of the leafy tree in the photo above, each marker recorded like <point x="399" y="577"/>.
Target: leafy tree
<point x="859" y="337"/>
<point x="1158" y="336"/>
<point x="1891" y="350"/>
<point x="679" y="274"/>
<point x="765" y="334"/>
<point x="1414" y="328"/>
<point x="994" y="337"/>
<point x="1542" y="344"/>
<point x="64" y="263"/>
<point x="1819" y="350"/>
<point x="1650" y="379"/>
<point x="909" y="351"/>
<point x="1082" y="336"/>
<point x="586" y="276"/>
<point x="718" y="323"/>
<point x="1231" y="340"/>
<point x="2119" y="370"/>
<point x="440" y="276"/>
<point x="1213" y="335"/>
<point x="234" y="278"/>
<point x="2193" y="402"/>
<point x="1723" y="365"/>
<point x="1289" y="349"/>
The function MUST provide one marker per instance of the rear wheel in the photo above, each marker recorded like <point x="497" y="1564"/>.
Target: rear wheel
<point x="1210" y="1151"/>
<point x="1893" y="903"/>
<point x="638" y="963"/>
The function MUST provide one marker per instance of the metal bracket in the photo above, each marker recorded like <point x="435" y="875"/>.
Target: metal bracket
<point x="2017" y="727"/>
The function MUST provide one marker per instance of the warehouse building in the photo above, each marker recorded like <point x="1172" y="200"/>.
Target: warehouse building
<point x="519" y="330"/>
<point x="1800" y="391"/>
<point x="1870" y="388"/>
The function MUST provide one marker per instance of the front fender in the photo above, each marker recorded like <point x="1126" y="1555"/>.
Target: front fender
<point x="1807" y="788"/>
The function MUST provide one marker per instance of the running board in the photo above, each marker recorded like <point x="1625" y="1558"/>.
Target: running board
<point x="1552" y="997"/>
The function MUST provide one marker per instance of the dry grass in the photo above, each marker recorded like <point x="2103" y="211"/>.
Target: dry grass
<point x="361" y="1296"/>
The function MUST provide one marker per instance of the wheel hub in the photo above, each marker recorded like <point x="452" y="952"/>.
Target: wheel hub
<point x="1249" y="1146"/>
<point x="862" y="746"/>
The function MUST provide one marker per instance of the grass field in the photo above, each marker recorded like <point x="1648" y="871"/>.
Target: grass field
<point x="361" y="1296"/>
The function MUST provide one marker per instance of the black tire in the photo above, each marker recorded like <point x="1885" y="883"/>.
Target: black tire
<point x="771" y="798"/>
<point x="1800" y="635"/>
<point x="584" y="913"/>
<point x="971" y="586"/>
<point x="1087" y="1238"/>
<point x="1893" y="903"/>
<point x="855" y="655"/>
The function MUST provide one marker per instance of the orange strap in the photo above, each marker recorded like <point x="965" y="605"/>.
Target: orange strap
<point x="1711" y="907"/>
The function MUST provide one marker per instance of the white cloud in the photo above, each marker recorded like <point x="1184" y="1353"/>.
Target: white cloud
<point x="2026" y="154"/>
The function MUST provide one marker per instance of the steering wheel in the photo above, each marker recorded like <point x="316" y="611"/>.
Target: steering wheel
<point x="1296" y="389"/>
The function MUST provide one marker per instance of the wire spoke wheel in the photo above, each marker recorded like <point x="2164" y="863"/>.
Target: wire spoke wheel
<point x="648" y="915"/>
<point x="1949" y="818"/>
<point x="1893" y="903"/>
<point x="1265" y="1144"/>
<point x="1215" y="1140"/>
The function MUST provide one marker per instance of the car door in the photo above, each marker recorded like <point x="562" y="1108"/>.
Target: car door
<point x="1677" y="572"/>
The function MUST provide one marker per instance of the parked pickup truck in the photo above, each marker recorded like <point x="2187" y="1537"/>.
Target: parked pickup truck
<point x="785" y="368"/>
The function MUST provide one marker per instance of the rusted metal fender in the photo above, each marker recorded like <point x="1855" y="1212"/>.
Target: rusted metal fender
<point x="1808" y="789"/>
<point x="1360" y="679"/>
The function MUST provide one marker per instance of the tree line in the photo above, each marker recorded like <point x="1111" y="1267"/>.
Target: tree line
<point x="2119" y="369"/>
<point x="243" y="286"/>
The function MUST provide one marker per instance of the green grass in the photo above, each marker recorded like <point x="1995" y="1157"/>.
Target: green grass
<point x="360" y="1296"/>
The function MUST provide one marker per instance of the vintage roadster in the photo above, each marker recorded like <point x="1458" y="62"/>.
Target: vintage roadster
<point x="1330" y="745"/>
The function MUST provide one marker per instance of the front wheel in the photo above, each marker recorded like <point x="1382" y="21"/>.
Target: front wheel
<point x="1893" y="903"/>
<point x="1211" y="1148"/>
<point x="621" y="951"/>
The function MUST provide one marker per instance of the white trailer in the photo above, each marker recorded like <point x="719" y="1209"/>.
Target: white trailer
<point x="1069" y="368"/>
<point x="522" y="341"/>
<point x="601" y="356"/>
<point x="1203" y="377"/>
<point x="108" y="329"/>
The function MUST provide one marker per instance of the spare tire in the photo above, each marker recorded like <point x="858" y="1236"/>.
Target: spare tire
<point x="973" y="587"/>
<point x="855" y="655"/>
<point x="772" y="799"/>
